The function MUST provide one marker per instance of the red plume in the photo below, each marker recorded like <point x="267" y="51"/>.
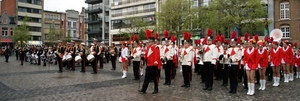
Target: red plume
<point x="271" y="40"/>
<point x="222" y="38"/>
<point x="233" y="34"/>
<point x="185" y="35"/>
<point x="251" y="37"/>
<point x="135" y="37"/>
<point x="256" y="38"/>
<point x="218" y="37"/>
<point x="156" y="36"/>
<point x="148" y="33"/>
<point x="204" y="42"/>
<point x="173" y="38"/>
<point x="246" y="36"/>
<point x="295" y="44"/>
<point x="266" y="38"/>
<point x="209" y="32"/>
<point x="166" y="34"/>
<point x="189" y="36"/>
<point x="197" y="41"/>
<point x="239" y="40"/>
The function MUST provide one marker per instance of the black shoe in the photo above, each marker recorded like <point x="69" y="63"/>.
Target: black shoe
<point x="183" y="85"/>
<point x="209" y="89"/>
<point x="21" y="64"/>
<point x="187" y="86"/>
<point x="94" y="73"/>
<point x="59" y="72"/>
<point x="230" y="91"/>
<point x="73" y="69"/>
<point x="233" y="92"/>
<point x="142" y="91"/>
<point x="155" y="92"/>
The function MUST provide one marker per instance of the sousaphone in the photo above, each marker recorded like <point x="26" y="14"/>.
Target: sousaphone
<point x="276" y="34"/>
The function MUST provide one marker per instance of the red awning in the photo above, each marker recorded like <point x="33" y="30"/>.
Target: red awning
<point x="5" y="40"/>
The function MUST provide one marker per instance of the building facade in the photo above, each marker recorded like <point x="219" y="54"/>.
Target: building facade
<point x="287" y="18"/>
<point x="52" y="21"/>
<point x="73" y="25"/>
<point x="33" y="9"/>
<point x="7" y="23"/>
<point x="97" y="20"/>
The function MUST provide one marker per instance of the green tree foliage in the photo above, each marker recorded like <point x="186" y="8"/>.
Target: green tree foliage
<point x="21" y="33"/>
<point x="135" y="25"/>
<point x="68" y="38"/>
<point x="223" y="15"/>
<point x="176" y="16"/>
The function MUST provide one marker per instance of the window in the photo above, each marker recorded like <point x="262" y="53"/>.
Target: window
<point x="286" y="31"/>
<point x="206" y="2"/>
<point x="46" y="36"/>
<point x="132" y="9"/>
<point x="57" y="26"/>
<point x="284" y="10"/>
<point x="74" y="33"/>
<point x="69" y="23"/>
<point x="74" y="24"/>
<point x="4" y="31"/>
<point x="118" y="11"/>
<point x="149" y="6"/>
<point x="38" y="38"/>
<point x="47" y="25"/>
<point x="195" y="3"/>
<point x="35" y="29"/>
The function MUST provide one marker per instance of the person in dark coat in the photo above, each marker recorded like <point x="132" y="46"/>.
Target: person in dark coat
<point x="22" y="52"/>
<point x="7" y="53"/>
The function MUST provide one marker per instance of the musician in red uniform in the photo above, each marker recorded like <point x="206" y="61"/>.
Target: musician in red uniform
<point x="250" y="64"/>
<point x="152" y="56"/>
<point x="276" y="57"/>
<point x="262" y="64"/>
<point x="297" y="63"/>
<point x="286" y="60"/>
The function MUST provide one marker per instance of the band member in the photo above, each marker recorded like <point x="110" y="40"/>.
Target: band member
<point x="161" y="51"/>
<point x="209" y="59"/>
<point x="297" y="63"/>
<point x="43" y="56"/>
<point x="250" y="64"/>
<point x="101" y="54"/>
<point x="276" y="57"/>
<point x="152" y="56"/>
<point x="72" y="51"/>
<point x="286" y="60"/>
<point x="234" y="55"/>
<point x="94" y="50"/>
<point x="187" y="58"/>
<point x="135" y="56"/>
<point x="50" y="55"/>
<point x="167" y="58"/>
<point x="262" y="64"/>
<point x="123" y="58"/>
<point x="39" y="52"/>
<point x="82" y="52"/>
<point x="198" y="55"/>
<point x="224" y="65"/>
<point x="143" y="49"/>
<point x="22" y="52"/>
<point x="113" y="56"/>
<point x="218" y="41"/>
<point x="292" y="66"/>
<point x="59" y="54"/>
<point x="175" y="57"/>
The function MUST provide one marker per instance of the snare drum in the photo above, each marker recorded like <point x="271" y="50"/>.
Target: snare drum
<point x="90" y="58"/>
<point x="69" y="57"/>
<point x="78" y="59"/>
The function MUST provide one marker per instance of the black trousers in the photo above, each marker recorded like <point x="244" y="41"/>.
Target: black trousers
<point x="186" y="72"/>
<point x="224" y="73"/>
<point x="197" y="68"/>
<point x="83" y="61"/>
<point x="17" y="56"/>
<point x="94" y="65"/>
<point x="269" y="73"/>
<point x="151" y="74"/>
<point x="217" y="70"/>
<point x="203" y="76"/>
<point x="60" y="64"/>
<point x="208" y="72"/>
<point x="233" y="71"/>
<point x="241" y="73"/>
<point x="113" y="62"/>
<point x="22" y="59"/>
<point x="136" y="69"/>
<point x="168" y="71"/>
<point x="39" y="61"/>
<point x="101" y="62"/>
<point x="6" y="58"/>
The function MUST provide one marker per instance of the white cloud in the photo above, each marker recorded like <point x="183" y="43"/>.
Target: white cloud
<point x="63" y="5"/>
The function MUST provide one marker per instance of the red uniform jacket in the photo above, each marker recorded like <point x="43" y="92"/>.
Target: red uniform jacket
<point x="251" y="58"/>
<point x="297" y="61"/>
<point x="287" y="54"/>
<point x="276" y="56"/>
<point x="152" y="55"/>
<point x="294" y="59"/>
<point x="263" y="57"/>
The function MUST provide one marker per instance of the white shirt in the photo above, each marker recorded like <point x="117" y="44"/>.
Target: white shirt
<point x="211" y="55"/>
<point x="188" y="58"/>
<point x="137" y="54"/>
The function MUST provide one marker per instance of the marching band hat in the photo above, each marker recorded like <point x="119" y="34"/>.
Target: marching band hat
<point x="72" y="41"/>
<point x="275" y="42"/>
<point x="94" y="39"/>
<point x="92" y="44"/>
<point x="209" y="34"/>
<point x="83" y="44"/>
<point x="59" y="41"/>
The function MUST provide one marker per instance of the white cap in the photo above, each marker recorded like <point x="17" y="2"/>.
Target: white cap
<point x="92" y="44"/>
<point x="82" y="44"/>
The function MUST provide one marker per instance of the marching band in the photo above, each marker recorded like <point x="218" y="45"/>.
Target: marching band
<point x="209" y="57"/>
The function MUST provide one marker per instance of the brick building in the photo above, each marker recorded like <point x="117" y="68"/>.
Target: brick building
<point x="287" y="18"/>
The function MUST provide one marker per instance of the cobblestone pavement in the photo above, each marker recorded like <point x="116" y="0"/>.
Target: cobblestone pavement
<point x="32" y="83"/>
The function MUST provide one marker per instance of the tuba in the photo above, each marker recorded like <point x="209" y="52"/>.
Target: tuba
<point x="276" y="34"/>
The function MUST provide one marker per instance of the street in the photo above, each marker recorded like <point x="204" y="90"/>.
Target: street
<point x="32" y="82"/>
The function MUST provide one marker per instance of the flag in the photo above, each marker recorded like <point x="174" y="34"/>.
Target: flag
<point x="236" y="30"/>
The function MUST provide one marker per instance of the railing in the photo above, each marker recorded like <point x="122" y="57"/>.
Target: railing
<point x="134" y="12"/>
<point x="127" y="2"/>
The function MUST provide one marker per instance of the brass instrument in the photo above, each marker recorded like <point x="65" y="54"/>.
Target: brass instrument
<point x="182" y="56"/>
<point x="165" y="60"/>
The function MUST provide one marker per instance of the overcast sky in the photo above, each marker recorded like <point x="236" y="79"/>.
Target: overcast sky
<point x="63" y="5"/>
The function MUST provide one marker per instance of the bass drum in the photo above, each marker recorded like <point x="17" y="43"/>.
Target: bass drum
<point x="90" y="58"/>
<point x="78" y="59"/>
<point x="69" y="57"/>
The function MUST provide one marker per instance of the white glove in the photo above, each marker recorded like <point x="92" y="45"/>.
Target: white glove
<point x="213" y="62"/>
